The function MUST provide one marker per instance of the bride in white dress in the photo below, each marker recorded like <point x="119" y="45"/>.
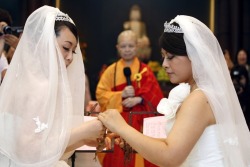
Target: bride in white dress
<point x="42" y="95"/>
<point x="205" y="123"/>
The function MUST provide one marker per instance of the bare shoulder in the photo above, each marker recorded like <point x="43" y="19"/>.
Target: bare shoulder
<point x="192" y="118"/>
<point x="198" y="97"/>
<point x="198" y="106"/>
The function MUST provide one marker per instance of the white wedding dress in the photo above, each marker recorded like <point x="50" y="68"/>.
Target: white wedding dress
<point x="6" y="162"/>
<point x="207" y="152"/>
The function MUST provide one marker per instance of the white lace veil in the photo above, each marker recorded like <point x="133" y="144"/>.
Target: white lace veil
<point x="39" y="96"/>
<point x="211" y="74"/>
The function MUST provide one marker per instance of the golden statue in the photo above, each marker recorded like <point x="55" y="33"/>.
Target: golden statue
<point x="135" y="24"/>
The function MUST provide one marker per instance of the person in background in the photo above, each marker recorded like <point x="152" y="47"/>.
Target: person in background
<point x="242" y="60"/>
<point x="42" y="95"/>
<point x="205" y="123"/>
<point x="12" y="41"/>
<point x="5" y="20"/>
<point x="228" y="59"/>
<point x="127" y="85"/>
<point x="8" y="41"/>
<point x="3" y="66"/>
<point x="240" y="80"/>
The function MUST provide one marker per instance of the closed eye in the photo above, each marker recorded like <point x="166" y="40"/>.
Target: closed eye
<point x="67" y="49"/>
<point x="170" y="57"/>
<point x="167" y="56"/>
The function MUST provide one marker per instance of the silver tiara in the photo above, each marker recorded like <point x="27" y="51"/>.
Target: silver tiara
<point x="171" y="28"/>
<point x="64" y="17"/>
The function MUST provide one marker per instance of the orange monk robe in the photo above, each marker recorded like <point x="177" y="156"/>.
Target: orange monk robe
<point x="109" y="96"/>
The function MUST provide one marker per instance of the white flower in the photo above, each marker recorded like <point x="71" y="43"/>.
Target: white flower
<point x="168" y="106"/>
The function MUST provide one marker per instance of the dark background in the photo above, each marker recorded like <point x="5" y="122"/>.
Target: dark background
<point x="100" y="21"/>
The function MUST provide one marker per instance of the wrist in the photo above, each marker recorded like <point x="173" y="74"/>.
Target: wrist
<point x="124" y="95"/>
<point x="142" y="100"/>
<point x="139" y="100"/>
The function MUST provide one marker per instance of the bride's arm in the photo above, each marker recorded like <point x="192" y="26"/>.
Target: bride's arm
<point x="192" y="118"/>
<point x="85" y="134"/>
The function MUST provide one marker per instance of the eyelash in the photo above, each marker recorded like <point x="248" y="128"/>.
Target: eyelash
<point x="168" y="58"/>
<point x="67" y="49"/>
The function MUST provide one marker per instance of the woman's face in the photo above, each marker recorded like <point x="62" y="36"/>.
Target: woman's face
<point x="242" y="57"/>
<point x="178" y="68"/>
<point x="67" y="44"/>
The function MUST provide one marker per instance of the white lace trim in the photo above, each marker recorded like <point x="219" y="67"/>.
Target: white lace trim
<point x="233" y="141"/>
<point x="40" y="126"/>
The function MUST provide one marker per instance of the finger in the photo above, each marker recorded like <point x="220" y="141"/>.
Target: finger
<point x="126" y="100"/>
<point x="117" y="141"/>
<point x="108" y="143"/>
<point x="101" y="116"/>
<point x="112" y="135"/>
<point x="102" y="132"/>
<point x="121" y="144"/>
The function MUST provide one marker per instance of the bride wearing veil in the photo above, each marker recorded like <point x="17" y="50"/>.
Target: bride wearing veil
<point x="205" y="123"/>
<point x="42" y="95"/>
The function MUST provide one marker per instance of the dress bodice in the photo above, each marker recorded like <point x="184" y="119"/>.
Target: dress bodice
<point x="207" y="151"/>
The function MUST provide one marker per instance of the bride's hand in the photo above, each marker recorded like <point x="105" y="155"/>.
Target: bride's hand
<point x="117" y="140"/>
<point x="113" y="120"/>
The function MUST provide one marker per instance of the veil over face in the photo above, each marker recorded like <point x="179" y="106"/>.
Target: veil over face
<point x="211" y="74"/>
<point x="41" y="100"/>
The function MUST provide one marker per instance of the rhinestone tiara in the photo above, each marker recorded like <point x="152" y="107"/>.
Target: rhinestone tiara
<point x="171" y="28"/>
<point x="63" y="17"/>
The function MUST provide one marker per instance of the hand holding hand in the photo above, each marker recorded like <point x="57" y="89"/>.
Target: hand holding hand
<point x="94" y="128"/>
<point x="119" y="141"/>
<point x="113" y="120"/>
<point x="131" y="101"/>
<point x="128" y="91"/>
<point x="86" y="133"/>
